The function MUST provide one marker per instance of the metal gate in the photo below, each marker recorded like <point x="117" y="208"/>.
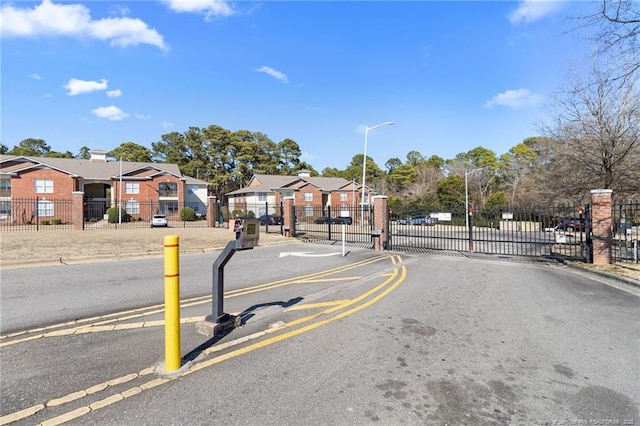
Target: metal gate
<point x="326" y="223"/>
<point x="559" y="231"/>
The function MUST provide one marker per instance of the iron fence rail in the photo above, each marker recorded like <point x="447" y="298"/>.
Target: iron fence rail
<point x="532" y="232"/>
<point x="327" y="223"/>
<point x="626" y="231"/>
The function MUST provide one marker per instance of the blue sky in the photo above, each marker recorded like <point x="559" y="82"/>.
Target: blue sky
<point x="451" y="75"/>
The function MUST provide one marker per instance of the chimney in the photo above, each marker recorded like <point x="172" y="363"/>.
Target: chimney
<point x="98" y="156"/>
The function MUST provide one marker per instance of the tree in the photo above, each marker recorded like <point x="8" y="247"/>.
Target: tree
<point x="392" y="164"/>
<point x="3" y="148"/>
<point x="414" y="158"/>
<point x="401" y="177"/>
<point x="451" y="192"/>
<point x="31" y="147"/>
<point x="289" y="156"/>
<point x="595" y="131"/>
<point x="518" y="172"/>
<point x="84" y="153"/>
<point x="130" y="151"/>
<point x="617" y="24"/>
<point x="56" y="154"/>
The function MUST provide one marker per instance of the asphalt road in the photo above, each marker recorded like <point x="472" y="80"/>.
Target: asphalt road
<point x="369" y="338"/>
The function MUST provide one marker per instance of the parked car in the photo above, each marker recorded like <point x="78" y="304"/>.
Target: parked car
<point x="159" y="220"/>
<point x="423" y="220"/>
<point x="270" y="219"/>
<point x="338" y="220"/>
<point x="570" y="224"/>
<point x="404" y="221"/>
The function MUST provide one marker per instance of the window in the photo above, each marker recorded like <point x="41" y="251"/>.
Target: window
<point x="44" y="186"/>
<point x="45" y="208"/>
<point x="132" y="207"/>
<point x="308" y="210"/>
<point x="343" y="196"/>
<point x="308" y="196"/>
<point x="132" y="188"/>
<point x="168" y="189"/>
<point x="262" y="196"/>
<point x="5" y="187"/>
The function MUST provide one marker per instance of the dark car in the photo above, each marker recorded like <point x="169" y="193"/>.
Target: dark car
<point x="270" y="219"/>
<point x="422" y="220"/>
<point x="571" y="224"/>
<point x="336" y="220"/>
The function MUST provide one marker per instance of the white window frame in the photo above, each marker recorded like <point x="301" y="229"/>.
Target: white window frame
<point x="132" y="187"/>
<point x="262" y="196"/>
<point x="308" y="210"/>
<point x="45" y="208"/>
<point x="43" y="186"/>
<point x="344" y="196"/>
<point x="132" y="207"/>
<point x="308" y="196"/>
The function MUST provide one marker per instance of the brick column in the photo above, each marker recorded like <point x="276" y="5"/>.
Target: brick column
<point x="77" y="215"/>
<point x="288" y="217"/>
<point x="601" y="225"/>
<point x="211" y="212"/>
<point x="380" y="222"/>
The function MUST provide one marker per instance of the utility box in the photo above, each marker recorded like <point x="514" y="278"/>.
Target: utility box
<point x="247" y="234"/>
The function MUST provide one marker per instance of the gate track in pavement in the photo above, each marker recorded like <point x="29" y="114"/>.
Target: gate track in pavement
<point x="378" y="284"/>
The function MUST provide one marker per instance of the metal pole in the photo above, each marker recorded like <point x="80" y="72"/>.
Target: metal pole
<point x="364" y="163"/>
<point x="120" y="195"/>
<point x="171" y="303"/>
<point x="466" y="200"/>
<point x="364" y="175"/>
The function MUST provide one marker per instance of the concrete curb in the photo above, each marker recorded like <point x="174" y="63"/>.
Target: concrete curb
<point x="605" y="274"/>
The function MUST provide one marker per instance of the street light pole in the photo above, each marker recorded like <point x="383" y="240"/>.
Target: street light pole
<point x="364" y="164"/>
<point x="466" y="196"/>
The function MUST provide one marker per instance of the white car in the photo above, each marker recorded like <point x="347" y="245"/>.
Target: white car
<point x="159" y="220"/>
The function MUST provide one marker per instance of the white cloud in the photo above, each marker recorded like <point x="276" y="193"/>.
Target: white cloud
<point x="273" y="73"/>
<point x="518" y="98"/>
<point x="112" y="113"/>
<point x="210" y="8"/>
<point x="167" y="124"/>
<point x="141" y="116"/>
<point x="77" y="87"/>
<point x="74" y="20"/>
<point x="533" y="10"/>
<point x="35" y="76"/>
<point x="114" y="93"/>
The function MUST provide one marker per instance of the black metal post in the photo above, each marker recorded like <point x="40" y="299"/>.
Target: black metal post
<point x="470" y="215"/>
<point x="217" y="311"/>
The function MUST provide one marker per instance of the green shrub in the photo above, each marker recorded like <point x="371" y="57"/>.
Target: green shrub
<point x="45" y="222"/>
<point x="56" y="221"/>
<point x="237" y="213"/>
<point x="113" y="214"/>
<point x="251" y="214"/>
<point x="187" y="214"/>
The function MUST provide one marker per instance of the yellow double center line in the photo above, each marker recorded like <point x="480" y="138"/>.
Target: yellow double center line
<point x="394" y="279"/>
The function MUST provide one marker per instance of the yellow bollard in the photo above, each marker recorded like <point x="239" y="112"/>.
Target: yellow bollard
<point x="171" y="303"/>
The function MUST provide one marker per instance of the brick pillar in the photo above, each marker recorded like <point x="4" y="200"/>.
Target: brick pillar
<point x="211" y="212"/>
<point x="601" y="225"/>
<point x="77" y="216"/>
<point x="380" y="222"/>
<point x="288" y="217"/>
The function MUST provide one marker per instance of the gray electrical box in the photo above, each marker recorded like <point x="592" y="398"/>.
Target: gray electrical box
<point x="249" y="233"/>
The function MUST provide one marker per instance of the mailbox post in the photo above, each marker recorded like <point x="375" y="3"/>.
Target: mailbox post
<point x="247" y="233"/>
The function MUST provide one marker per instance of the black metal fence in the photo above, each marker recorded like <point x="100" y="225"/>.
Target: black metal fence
<point x="626" y="231"/>
<point x="544" y="231"/>
<point x="325" y="223"/>
<point x="100" y="214"/>
<point x="36" y="214"/>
